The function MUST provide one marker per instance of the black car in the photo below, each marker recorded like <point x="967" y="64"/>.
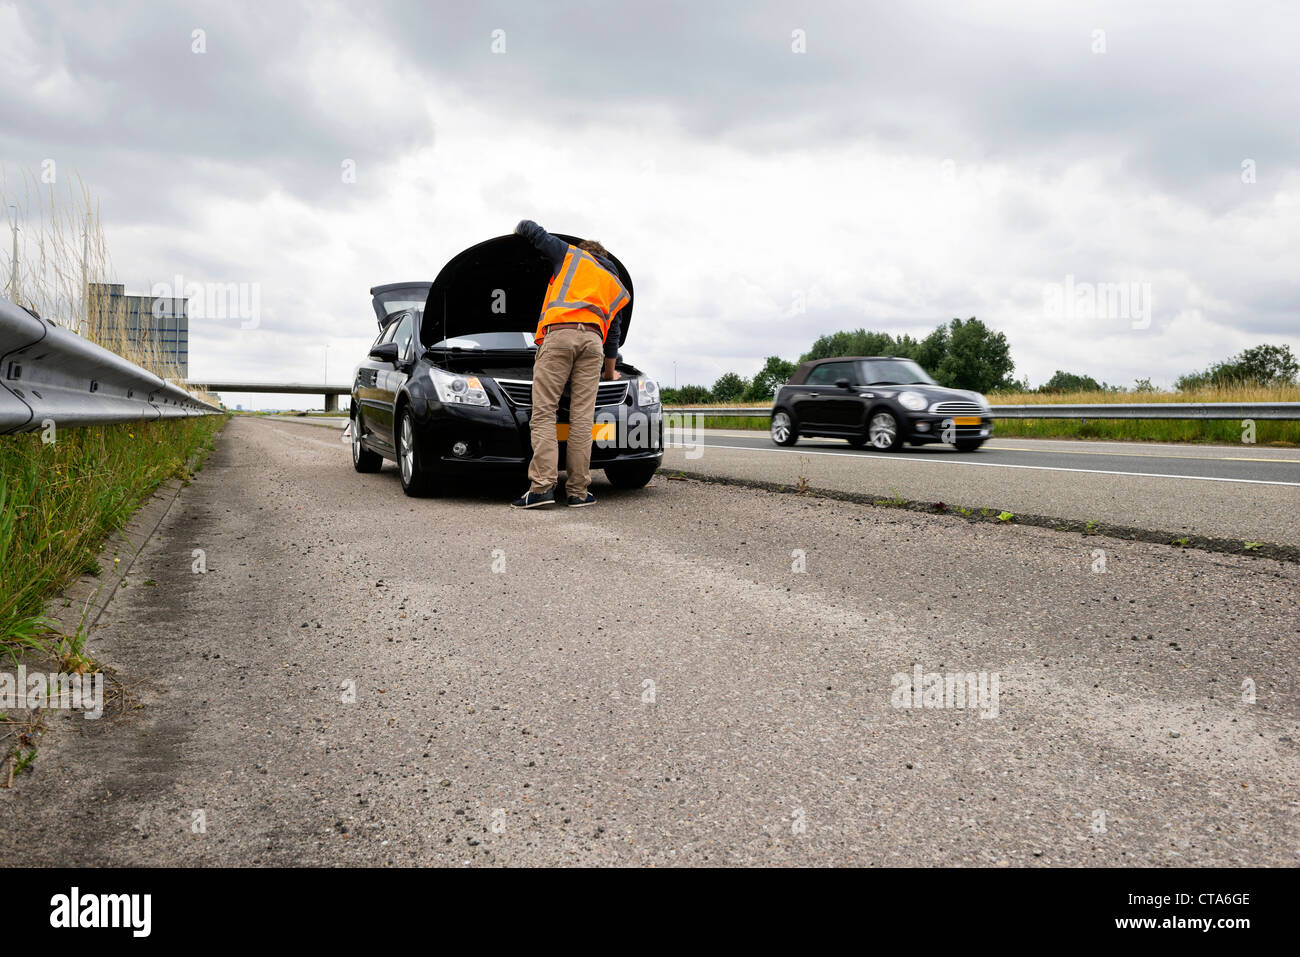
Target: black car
<point x="447" y="388"/>
<point x="878" y="400"/>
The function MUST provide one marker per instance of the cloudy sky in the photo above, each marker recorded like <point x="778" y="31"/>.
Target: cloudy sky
<point x="768" y="171"/>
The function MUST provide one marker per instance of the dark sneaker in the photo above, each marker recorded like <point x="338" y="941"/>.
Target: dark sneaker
<point x="534" y="500"/>
<point x="577" y="502"/>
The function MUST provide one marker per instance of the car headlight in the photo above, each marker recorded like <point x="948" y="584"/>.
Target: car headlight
<point x="647" y="392"/>
<point x="458" y="389"/>
<point x="912" y="400"/>
<point x="983" y="400"/>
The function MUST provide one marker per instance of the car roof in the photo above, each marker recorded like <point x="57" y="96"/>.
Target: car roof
<point x="801" y="373"/>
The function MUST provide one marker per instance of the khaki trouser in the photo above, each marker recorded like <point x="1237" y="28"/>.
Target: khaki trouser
<point x="571" y="356"/>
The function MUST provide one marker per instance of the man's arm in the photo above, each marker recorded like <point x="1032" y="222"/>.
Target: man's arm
<point x="552" y="247"/>
<point x="611" y="346"/>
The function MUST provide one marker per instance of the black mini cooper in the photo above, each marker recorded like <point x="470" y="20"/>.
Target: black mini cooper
<point x="447" y="387"/>
<point x="879" y="401"/>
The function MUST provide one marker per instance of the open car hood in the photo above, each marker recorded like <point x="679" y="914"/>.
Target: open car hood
<point x="464" y="300"/>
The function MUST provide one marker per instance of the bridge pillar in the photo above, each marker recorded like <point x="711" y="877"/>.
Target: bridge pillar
<point x="331" y="403"/>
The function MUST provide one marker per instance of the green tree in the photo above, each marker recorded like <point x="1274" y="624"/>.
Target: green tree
<point x="1261" y="365"/>
<point x="729" y="387"/>
<point x="977" y="358"/>
<point x="858" y="342"/>
<point x="931" y="350"/>
<point x="775" y="372"/>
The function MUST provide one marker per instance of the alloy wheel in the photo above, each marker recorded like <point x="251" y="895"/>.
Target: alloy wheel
<point x="883" y="431"/>
<point x="407" y="450"/>
<point x="780" y="427"/>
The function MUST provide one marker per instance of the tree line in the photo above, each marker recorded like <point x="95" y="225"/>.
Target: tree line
<point x="967" y="354"/>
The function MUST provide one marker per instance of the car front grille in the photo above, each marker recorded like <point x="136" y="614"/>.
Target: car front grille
<point x="957" y="408"/>
<point x="520" y="393"/>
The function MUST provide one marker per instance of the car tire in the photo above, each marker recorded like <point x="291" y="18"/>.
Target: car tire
<point x="634" y="475"/>
<point x="968" y="445"/>
<point x="363" y="460"/>
<point x="784" y="428"/>
<point x="416" y="480"/>
<point x="883" y="431"/>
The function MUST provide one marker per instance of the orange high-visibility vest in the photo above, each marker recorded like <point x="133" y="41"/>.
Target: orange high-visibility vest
<point x="582" y="290"/>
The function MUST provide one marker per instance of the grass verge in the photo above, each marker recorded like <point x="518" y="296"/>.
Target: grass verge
<point x="58" y="502"/>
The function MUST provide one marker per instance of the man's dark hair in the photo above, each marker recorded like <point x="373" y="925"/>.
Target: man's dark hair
<point x="595" y="248"/>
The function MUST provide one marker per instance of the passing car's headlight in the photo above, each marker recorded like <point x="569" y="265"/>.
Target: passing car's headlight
<point x="458" y="389"/>
<point x="983" y="400"/>
<point x="647" y="392"/>
<point x="912" y="400"/>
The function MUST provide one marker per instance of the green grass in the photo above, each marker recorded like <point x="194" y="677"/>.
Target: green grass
<point x="1217" y="432"/>
<point x="59" y="502"/>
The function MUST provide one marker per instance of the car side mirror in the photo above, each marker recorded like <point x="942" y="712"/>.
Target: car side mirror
<point x="844" y="383"/>
<point x="384" y="352"/>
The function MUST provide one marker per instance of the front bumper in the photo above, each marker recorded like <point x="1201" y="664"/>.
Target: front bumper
<point x="497" y="438"/>
<point x="938" y="427"/>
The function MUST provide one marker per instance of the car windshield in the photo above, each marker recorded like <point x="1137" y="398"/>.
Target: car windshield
<point x="489" y="341"/>
<point x="894" y="372"/>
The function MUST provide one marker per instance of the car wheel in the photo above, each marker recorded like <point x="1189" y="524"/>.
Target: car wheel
<point x="883" y="432"/>
<point x="416" y="480"/>
<point x="968" y="445"/>
<point x="784" y="430"/>
<point x="363" y="460"/>
<point x="636" y="475"/>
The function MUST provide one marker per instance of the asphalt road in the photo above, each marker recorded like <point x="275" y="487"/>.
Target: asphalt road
<point x="1242" y="492"/>
<point x="652" y="682"/>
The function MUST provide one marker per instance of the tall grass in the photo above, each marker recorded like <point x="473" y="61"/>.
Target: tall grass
<point x="1240" y="392"/>
<point x="62" y="259"/>
<point x="59" y="501"/>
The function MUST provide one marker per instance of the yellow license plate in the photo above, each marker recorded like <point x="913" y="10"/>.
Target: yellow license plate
<point x="966" y="420"/>
<point x="600" y="432"/>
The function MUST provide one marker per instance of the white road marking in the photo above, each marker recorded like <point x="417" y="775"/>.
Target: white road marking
<point x="1063" y="447"/>
<point x="999" y="465"/>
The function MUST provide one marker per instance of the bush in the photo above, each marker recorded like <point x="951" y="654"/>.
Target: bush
<point x="1070" y="382"/>
<point x="686" y="395"/>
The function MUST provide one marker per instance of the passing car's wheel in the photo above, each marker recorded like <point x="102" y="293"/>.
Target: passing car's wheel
<point x="416" y="480"/>
<point x="635" y="475"/>
<point x="968" y="445"/>
<point x="883" y="432"/>
<point x="784" y="431"/>
<point x="363" y="460"/>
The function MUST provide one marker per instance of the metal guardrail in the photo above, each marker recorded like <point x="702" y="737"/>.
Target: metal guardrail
<point x="1287" y="411"/>
<point x="49" y="373"/>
